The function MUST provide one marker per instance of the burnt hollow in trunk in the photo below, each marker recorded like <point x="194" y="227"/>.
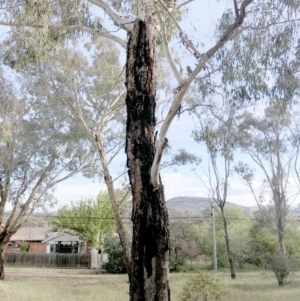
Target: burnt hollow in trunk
<point x="150" y="241"/>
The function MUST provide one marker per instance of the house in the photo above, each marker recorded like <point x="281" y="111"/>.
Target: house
<point x="65" y="243"/>
<point x="33" y="235"/>
<point x="45" y="240"/>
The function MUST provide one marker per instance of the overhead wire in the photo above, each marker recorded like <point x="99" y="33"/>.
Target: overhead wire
<point x="170" y="218"/>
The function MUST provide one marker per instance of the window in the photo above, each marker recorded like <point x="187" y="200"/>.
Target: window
<point x="52" y="248"/>
<point x="15" y="245"/>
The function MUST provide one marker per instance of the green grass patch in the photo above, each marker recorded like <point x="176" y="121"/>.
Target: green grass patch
<point x="42" y="284"/>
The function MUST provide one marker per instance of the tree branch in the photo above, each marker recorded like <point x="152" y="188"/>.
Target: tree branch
<point x="184" y="3"/>
<point x="93" y="31"/>
<point x="123" y="21"/>
<point x="270" y="24"/>
<point x="111" y="108"/>
<point x="171" y="61"/>
<point x="121" y="146"/>
<point x="181" y="90"/>
<point x="209" y="73"/>
<point x="31" y="196"/>
<point x="183" y="36"/>
<point x="5" y="188"/>
<point x="236" y="9"/>
<point x="228" y="33"/>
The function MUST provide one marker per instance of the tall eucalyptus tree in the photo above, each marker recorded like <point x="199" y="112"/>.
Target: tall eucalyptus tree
<point x="92" y="90"/>
<point x="216" y="127"/>
<point x="40" y="146"/>
<point x="272" y="142"/>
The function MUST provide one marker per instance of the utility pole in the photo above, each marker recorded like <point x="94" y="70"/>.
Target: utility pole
<point x="214" y="238"/>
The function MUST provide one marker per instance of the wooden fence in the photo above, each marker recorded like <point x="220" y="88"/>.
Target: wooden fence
<point x="56" y="260"/>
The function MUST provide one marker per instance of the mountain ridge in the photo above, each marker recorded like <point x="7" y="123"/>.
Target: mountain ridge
<point x="192" y="204"/>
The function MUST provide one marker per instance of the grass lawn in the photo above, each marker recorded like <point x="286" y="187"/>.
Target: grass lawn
<point x="38" y="284"/>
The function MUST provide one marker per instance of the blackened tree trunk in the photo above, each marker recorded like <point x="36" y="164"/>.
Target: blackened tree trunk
<point x="229" y="253"/>
<point x="150" y="242"/>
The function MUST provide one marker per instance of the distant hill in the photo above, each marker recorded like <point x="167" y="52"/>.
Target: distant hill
<point x="185" y="203"/>
<point x="197" y="204"/>
<point x="34" y="220"/>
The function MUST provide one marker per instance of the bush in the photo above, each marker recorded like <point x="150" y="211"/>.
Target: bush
<point x="116" y="263"/>
<point x="24" y="246"/>
<point x="279" y="263"/>
<point x="202" y="287"/>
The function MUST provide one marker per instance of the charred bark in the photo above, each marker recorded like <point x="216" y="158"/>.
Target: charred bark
<point x="150" y="243"/>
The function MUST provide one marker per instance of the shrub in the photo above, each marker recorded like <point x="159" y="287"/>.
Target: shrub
<point x="116" y="263"/>
<point x="202" y="287"/>
<point x="24" y="246"/>
<point x="279" y="263"/>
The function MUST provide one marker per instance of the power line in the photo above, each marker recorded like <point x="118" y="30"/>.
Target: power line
<point x="170" y="218"/>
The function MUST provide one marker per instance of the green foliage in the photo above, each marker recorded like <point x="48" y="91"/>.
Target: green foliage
<point x="272" y="141"/>
<point x="185" y="242"/>
<point x="279" y="264"/>
<point x="202" y="287"/>
<point x="218" y="133"/>
<point x="203" y="235"/>
<point x="24" y="246"/>
<point x="266" y="251"/>
<point x="257" y="54"/>
<point x="91" y="218"/>
<point x="32" y="44"/>
<point x="116" y="263"/>
<point x="41" y="147"/>
<point x="263" y="241"/>
<point x="98" y="64"/>
<point x="239" y="226"/>
<point x="292" y="239"/>
<point x="177" y="259"/>
<point x="182" y="157"/>
<point x="265" y="247"/>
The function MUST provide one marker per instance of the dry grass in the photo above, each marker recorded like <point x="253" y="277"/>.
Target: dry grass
<point x="249" y="286"/>
<point x="34" y="284"/>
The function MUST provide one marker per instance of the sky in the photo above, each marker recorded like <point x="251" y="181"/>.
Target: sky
<point x="202" y="15"/>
